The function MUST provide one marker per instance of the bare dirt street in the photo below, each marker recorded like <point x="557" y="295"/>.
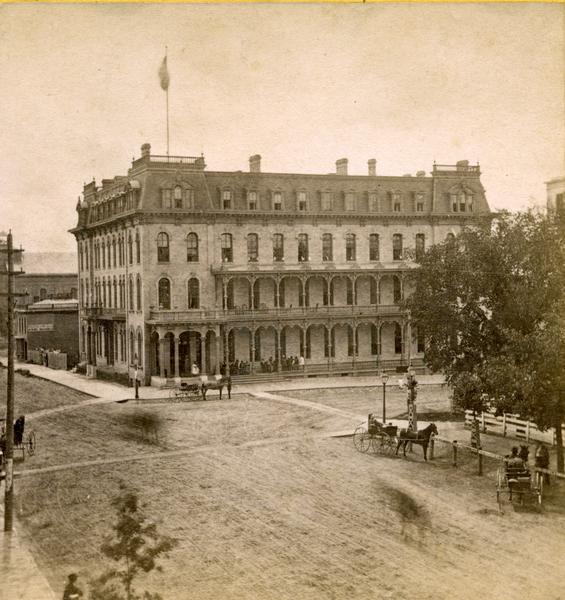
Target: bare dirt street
<point x="265" y="507"/>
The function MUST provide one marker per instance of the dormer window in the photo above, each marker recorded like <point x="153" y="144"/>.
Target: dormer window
<point x="177" y="195"/>
<point x="252" y="200"/>
<point x="226" y="199"/>
<point x="420" y="202"/>
<point x="302" y="201"/>
<point x="349" y="201"/>
<point x="277" y="201"/>
<point x="189" y="199"/>
<point x="166" y="199"/>
<point x="396" y="204"/>
<point x="462" y="201"/>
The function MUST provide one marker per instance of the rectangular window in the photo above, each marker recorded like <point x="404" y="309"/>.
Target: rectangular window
<point x="278" y="247"/>
<point x="302" y="247"/>
<point x="252" y="200"/>
<point x="462" y="202"/>
<point x="454" y="202"/>
<point x="419" y="207"/>
<point x="397" y="246"/>
<point x="302" y="201"/>
<point x="350" y="247"/>
<point x="227" y="250"/>
<point x="373" y="246"/>
<point x="327" y="247"/>
<point x="226" y="199"/>
<point x="326" y="201"/>
<point x="277" y="201"/>
<point x="349" y="201"/>
<point x="166" y="199"/>
<point x="420" y="246"/>
<point x="373" y="202"/>
<point x="252" y="247"/>
<point x="396" y="207"/>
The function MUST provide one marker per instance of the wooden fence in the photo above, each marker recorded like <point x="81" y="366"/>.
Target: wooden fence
<point x="511" y="425"/>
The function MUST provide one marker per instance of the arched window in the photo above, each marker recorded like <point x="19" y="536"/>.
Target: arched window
<point x="420" y="246"/>
<point x="193" y="293"/>
<point x="302" y="201"/>
<point x="397" y="246"/>
<point x="227" y="248"/>
<point x="327" y="247"/>
<point x="374" y="246"/>
<point x="397" y="339"/>
<point x="104" y="291"/>
<point x="137" y="247"/>
<point x="303" y="247"/>
<point x="164" y="294"/>
<point x="138" y="290"/>
<point x="130" y="248"/>
<point x="350" y="247"/>
<point x="131" y="306"/>
<point x="109" y="248"/>
<point x="177" y="196"/>
<point x="139" y="348"/>
<point x="109" y="293"/>
<point x="277" y="200"/>
<point x="163" y="247"/>
<point x="192" y="247"/>
<point x="114" y="251"/>
<point x="278" y="247"/>
<point x="103" y="255"/>
<point x="115" y="292"/>
<point x="252" y="247"/>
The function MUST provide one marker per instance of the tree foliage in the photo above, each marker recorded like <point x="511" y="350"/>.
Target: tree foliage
<point x="136" y="545"/>
<point x="490" y="304"/>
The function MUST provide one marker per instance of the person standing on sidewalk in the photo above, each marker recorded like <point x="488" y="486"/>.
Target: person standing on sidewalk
<point x="72" y="592"/>
<point x="301" y="363"/>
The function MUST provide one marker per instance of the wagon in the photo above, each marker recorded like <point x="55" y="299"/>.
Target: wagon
<point x="516" y="484"/>
<point x="186" y="391"/>
<point x="379" y="437"/>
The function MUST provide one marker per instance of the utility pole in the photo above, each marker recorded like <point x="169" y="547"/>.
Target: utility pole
<point x="9" y="454"/>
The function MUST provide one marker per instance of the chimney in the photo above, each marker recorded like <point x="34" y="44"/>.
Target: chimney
<point x="255" y="163"/>
<point x="462" y="165"/>
<point x="341" y="166"/>
<point x="372" y="167"/>
<point x="420" y="174"/>
<point x="145" y="150"/>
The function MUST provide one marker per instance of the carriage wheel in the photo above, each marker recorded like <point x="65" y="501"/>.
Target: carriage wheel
<point x="389" y="444"/>
<point x="361" y="439"/>
<point x="31" y="443"/>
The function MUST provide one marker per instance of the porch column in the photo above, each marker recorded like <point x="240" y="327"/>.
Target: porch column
<point x="354" y="330"/>
<point x="277" y="293"/>
<point x="225" y="294"/>
<point x="203" y="353"/>
<point x="378" y="280"/>
<point x="278" y="341"/>
<point x="354" y="283"/>
<point x="176" y="342"/>
<point x="302" y="292"/>
<point x="218" y="359"/>
<point x="252" y="345"/>
<point x="89" y="345"/>
<point x="162" y="341"/>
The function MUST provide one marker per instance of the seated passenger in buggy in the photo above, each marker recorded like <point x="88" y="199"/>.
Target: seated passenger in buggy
<point x="515" y="465"/>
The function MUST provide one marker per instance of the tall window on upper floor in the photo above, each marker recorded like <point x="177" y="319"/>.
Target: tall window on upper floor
<point x="115" y="292"/>
<point x="327" y="247"/>
<point x="420" y="202"/>
<point x="177" y="196"/>
<point x="193" y="297"/>
<point x="326" y="201"/>
<point x="278" y="247"/>
<point x="227" y="247"/>
<point x="349" y="201"/>
<point x="86" y="255"/>
<point x="396" y="203"/>
<point x="80" y="254"/>
<point x="277" y="200"/>
<point x="137" y="248"/>
<point x="252" y="200"/>
<point x="302" y="201"/>
<point x="252" y="247"/>
<point x="397" y="246"/>
<point x="114" y="262"/>
<point x="130" y="294"/>
<point x="226" y="199"/>
<point x="462" y="201"/>
<point x="350" y="247"/>
<point x="373" y="202"/>
<point x="87" y="294"/>
<point x="109" y="249"/>
<point x="103" y="252"/>
<point x="130" y="248"/>
<point x="189" y="199"/>
<point x="163" y="247"/>
<point x="303" y="247"/>
<point x="166" y="199"/>
<point x="164" y="294"/>
<point x="420" y="246"/>
<point x="138" y="291"/>
<point x="374" y="253"/>
<point x="192" y="247"/>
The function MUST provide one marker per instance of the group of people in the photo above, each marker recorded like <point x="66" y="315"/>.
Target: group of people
<point x="243" y="367"/>
<point x="292" y="363"/>
<point x="238" y="367"/>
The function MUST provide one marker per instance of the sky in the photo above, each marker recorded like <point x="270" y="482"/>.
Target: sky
<point x="302" y="85"/>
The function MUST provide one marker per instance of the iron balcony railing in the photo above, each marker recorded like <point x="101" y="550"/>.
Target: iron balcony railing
<point x="268" y="313"/>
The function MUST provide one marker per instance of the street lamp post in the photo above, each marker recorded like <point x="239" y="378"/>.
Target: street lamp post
<point x="384" y="379"/>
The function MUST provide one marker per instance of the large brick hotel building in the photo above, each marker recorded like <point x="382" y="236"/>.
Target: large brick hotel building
<point x="180" y="264"/>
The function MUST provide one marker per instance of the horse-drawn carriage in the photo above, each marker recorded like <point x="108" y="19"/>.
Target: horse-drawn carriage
<point x="24" y="442"/>
<point x="516" y="483"/>
<point x="198" y="387"/>
<point x="386" y="439"/>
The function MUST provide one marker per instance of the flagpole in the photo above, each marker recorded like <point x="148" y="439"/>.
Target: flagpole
<point x="167" y="93"/>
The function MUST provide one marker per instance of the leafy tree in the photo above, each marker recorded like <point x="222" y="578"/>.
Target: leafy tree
<point x="490" y="304"/>
<point x="136" y="545"/>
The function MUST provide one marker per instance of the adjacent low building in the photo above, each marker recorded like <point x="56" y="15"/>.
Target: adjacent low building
<point x="178" y="264"/>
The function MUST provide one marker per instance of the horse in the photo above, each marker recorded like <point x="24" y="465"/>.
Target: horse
<point x="216" y="384"/>
<point x="421" y="438"/>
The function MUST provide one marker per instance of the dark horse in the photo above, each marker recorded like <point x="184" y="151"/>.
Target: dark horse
<point x="416" y="437"/>
<point x="216" y="384"/>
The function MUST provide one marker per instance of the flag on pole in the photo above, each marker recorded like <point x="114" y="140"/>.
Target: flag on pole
<point x="164" y="75"/>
